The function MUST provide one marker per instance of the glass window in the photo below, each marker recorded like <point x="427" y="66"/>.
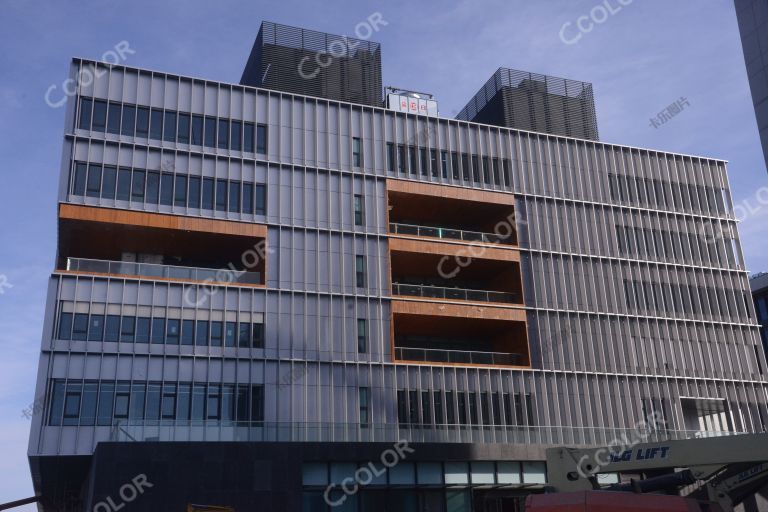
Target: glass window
<point x="128" y="329"/>
<point x="234" y="196"/>
<point x="433" y="162"/>
<point x="153" y="401"/>
<point x="88" y="406"/>
<point x="72" y="403"/>
<point x="413" y="164"/>
<point x="184" y="128"/>
<point x="112" y="328"/>
<point x="156" y="124"/>
<point x="508" y="472"/>
<point x="188" y="332"/>
<point x="258" y="335"/>
<point x="113" y="118"/>
<point x="180" y="191"/>
<point x="356" y="152"/>
<point x="124" y="184"/>
<point x="230" y="333"/>
<point x="142" y="329"/>
<point x="364" y="398"/>
<point x="314" y="473"/>
<point x="142" y="122"/>
<point x="402" y="473"/>
<point x="109" y="181"/>
<point x="106" y="402"/>
<point x="261" y="138"/>
<point x="85" y="114"/>
<point x="137" y="187"/>
<point x="183" y="402"/>
<point x="96" y="328"/>
<point x="401" y="158"/>
<point x="360" y="271"/>
<point x="99" y="116"/>
<point x="244" y="335"/>
<point x="128" y="123"/>
<point x="210" y="132"/>
<point x="173" y="330"/>
<point x="153" y="187"/>
<point x="456" y="473"/>
<point x="429" y="473"/>
<point x="221" y="195"/>
<point x="93" y="188"/>
<point x="198" y="401"/>
<point x="390" y="157"/>
<point x="362" y="336"/>
<point x="158" y="330"/>
<point x="465" y="166"/>
<point x="475" y="169"/>
<point x="223" y="142"/>
<point x="534" y="473"/>
<point x="444" y="163"/>
<point x="122" y="400"/>
<point x="359" y="210"/>
<point x="138" y="393"/>
<point x="80" y="178"/>
<point x="208" y="193"/>
<point x="483" y="473"/>
<point x="248" y="137"/>
<point x="213" y="406"/>
<point x="248" y="198"/>
<point x="217" y="333"/>
<point x="261" y="200"/>
<point x="65" y="326"/>
<point x="166" y="189"/>
<point x="235" y="136"/>
<point x="168" y="405"/>
<point x="197" y="130"/>
<point x="194" y="192"/>
<point x="201" y="328"/>
<point x="80" y="327"/>
<point x="169" y="127"/>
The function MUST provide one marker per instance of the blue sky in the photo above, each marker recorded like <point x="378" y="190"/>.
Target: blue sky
<point x="641" y="59"/>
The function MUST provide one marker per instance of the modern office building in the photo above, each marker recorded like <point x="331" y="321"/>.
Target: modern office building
<point x="260" y="294"/>
<point x="752" y="16"/>
<point x="759" y="286"/>
<point x="534" y="102"/>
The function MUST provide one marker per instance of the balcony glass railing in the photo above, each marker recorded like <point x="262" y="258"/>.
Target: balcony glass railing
<point x="453" y="234"/>
<point x="214" y="430"/>
<point x="127" y="268"/>
<point x="439" y="292"/>
<point x="430" y="355"/>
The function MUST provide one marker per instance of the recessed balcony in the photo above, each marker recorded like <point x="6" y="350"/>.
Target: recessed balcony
<point x="453" y="293"/>
<point x="449" y="234"/>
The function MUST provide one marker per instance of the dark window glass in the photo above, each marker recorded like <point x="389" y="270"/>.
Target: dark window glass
<point x="208" y="193"/>
<point x="173" y="331"/>
<point x="166" y="189"/>
<point x="356" y="152"/>
<point x="113" y="118"/>
<point x="96" y="328"/>
<point x="244" y="335"/>
<point x="85" y="114"/>
<point x="142" y="122"/>
<point x="168" y="405"/>
<point x="188" y="332"/>
<point x="247" y="197"/>
<point x="213" y="404"/>
<point x="455" y="165"/>
<point x="122" y="400"/>
<point x="230" y="334"/>
<point x="433" y="162"/>
<point x="201" y="329"/>
<point x="257" y="403"/>
<point x="198" y="401"/>
<point x="475" y="169"/>
<point x="142" y="329"/>
<point x="505" y="164"/>
<point x="128" y="329"/>
<point x="362" y="336"/>
<point x="169" y="127"/>
<point x="153" y="187"/>
<point x="93" y="189"/>
<point x="261" y="200"/>
<point x="99" y="116"/>
<point x="364" y="399"/>
<point x="223" y="142"/>
<point x="221" y="195"/>
<point x="401" y="158"/>
<point x="153" y="401"/>
<point x="217" y="334"/>
<point x="180" y="191"/>
<point x="106" y="402"/>
<point x="235" y="136"/>
<point x="183" y="403"/>
<point x="156" y="124"/>
<point x="78" y="185"/>
<point x="359" y="209"/>
<point x="137" y="187"/>
<point x="360" y="271"/>
<point x="80" y="327"/>
<point x="210" y="132"/>
<point x="450" y="408"/>
<point x="234" y="196"/>
<point x="128" y="123"/>
<point x="124" y="184"/>
<point x="138" y="393"/>
<point x="197" y="130"/>
<point x="465" y="166"/>
<point x="496" y="172"/>
<point x="390" y="157"/>
<point x="88" y="406"/>
<point x="258" y="335"/>
<point x="413" y="164"/>
<point x="158" y="330"/>
<point x="261" y="138"/>
<point x="72" y="403"/>
<point x="444" y="163"/>
<point x="184" y="128"/>
<point x="112" y="331"/>
<point x="248" y="137"/>
<point x="108" y="183"/>
<point x="194" y="192"/>
<point x="65" y="326"/>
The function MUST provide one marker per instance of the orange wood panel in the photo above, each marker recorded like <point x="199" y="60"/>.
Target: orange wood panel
<point x="461" y="250"/>
<point x="451" y="192"/>
<point x="161" y="220"/>
<point x="428" y="307"/>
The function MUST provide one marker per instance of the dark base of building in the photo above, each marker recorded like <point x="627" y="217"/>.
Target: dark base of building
<point x="291" y="477"/>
